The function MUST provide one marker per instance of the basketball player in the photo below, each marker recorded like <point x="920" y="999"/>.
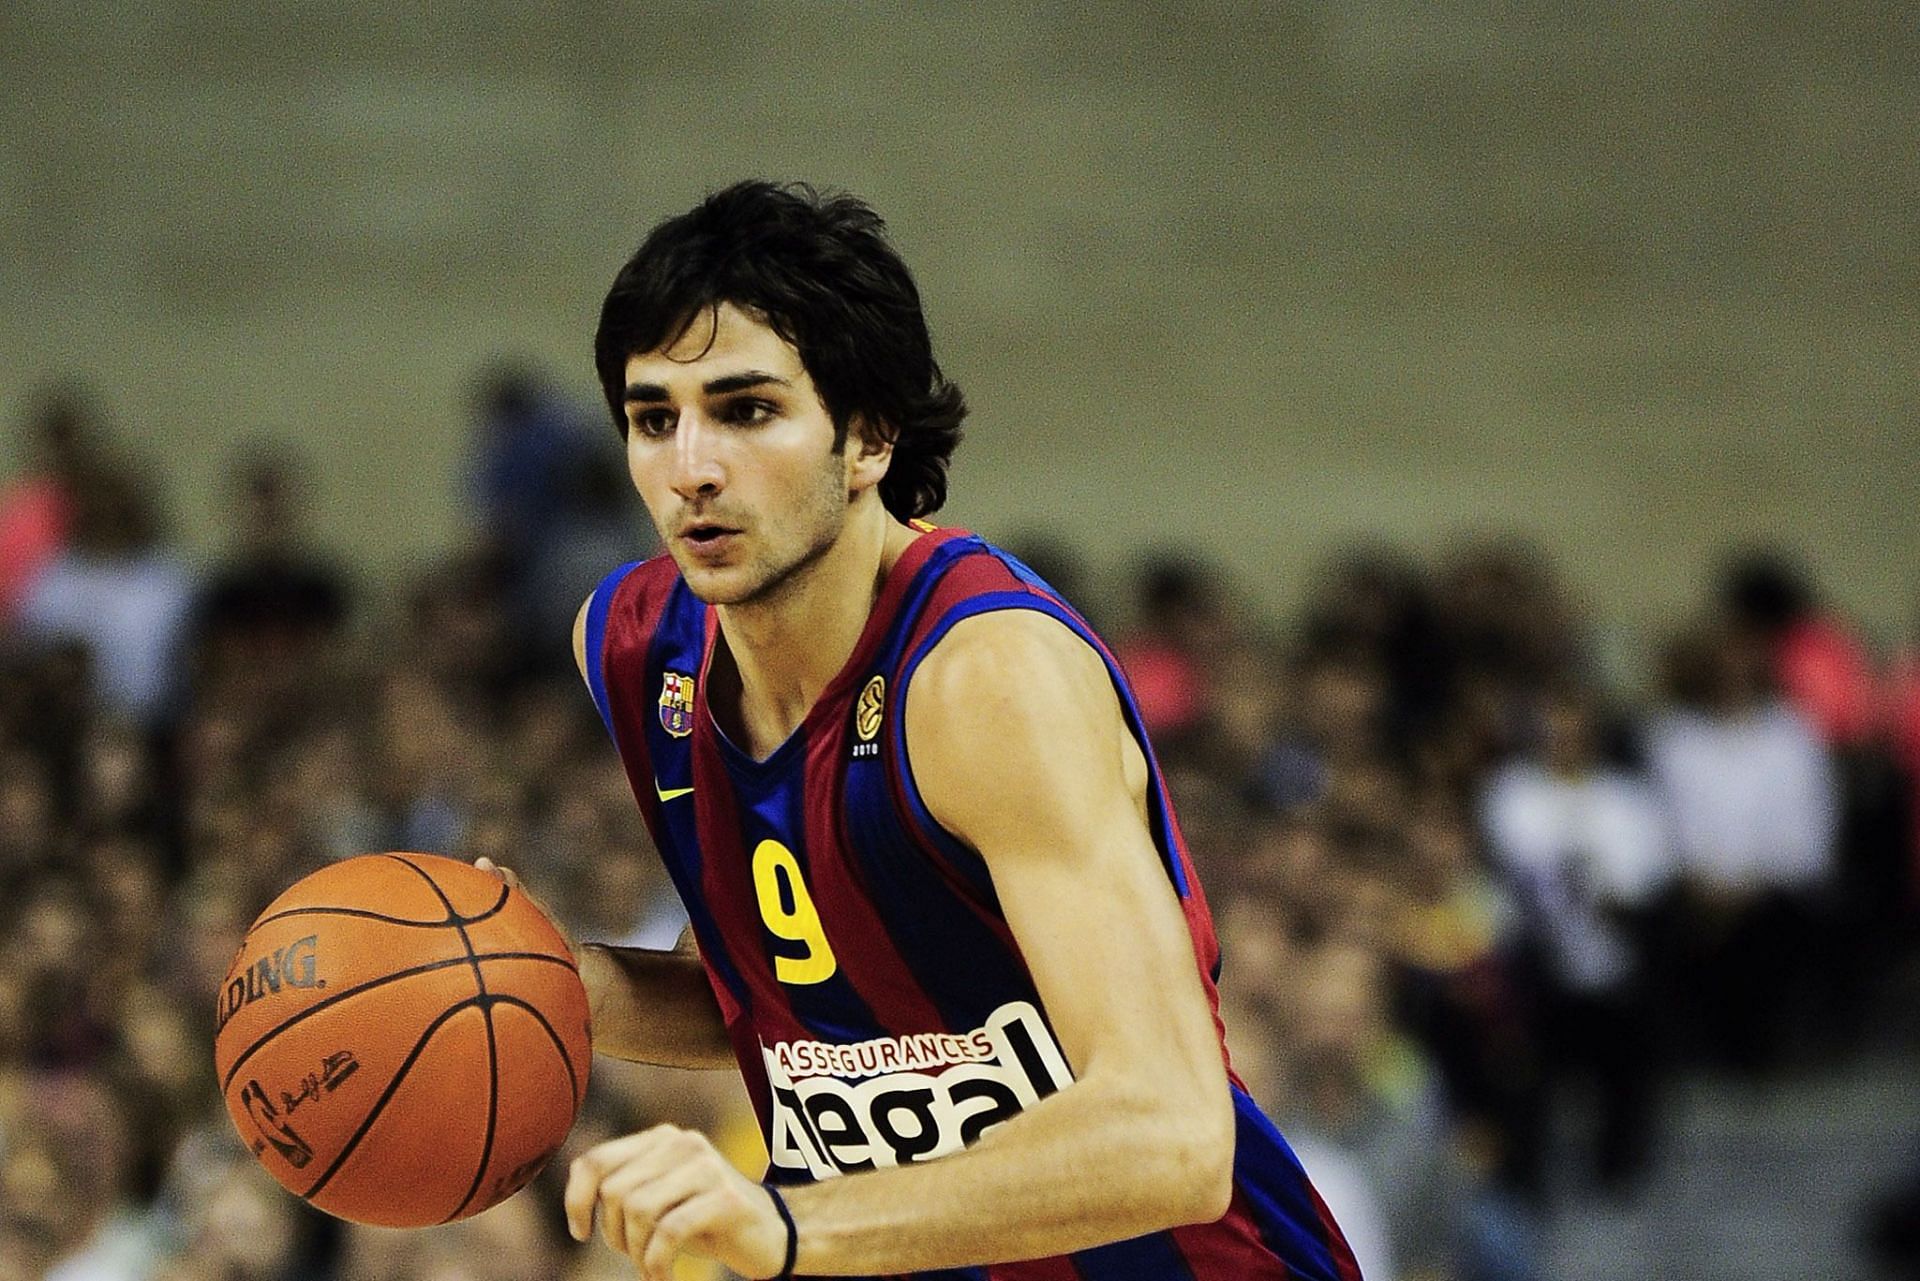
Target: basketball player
<point x="942" y="918"/>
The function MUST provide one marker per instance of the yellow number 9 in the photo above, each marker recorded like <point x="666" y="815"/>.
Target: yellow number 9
<point x="774" y="863"/>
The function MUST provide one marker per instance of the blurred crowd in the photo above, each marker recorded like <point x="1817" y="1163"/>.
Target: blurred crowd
<point x="1466" y="867"/>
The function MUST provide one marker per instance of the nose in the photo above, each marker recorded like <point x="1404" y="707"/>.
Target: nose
<point x="697" y="470"/>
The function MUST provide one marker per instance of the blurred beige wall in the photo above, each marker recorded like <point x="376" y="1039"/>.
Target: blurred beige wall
<point x="1640" y="280"/>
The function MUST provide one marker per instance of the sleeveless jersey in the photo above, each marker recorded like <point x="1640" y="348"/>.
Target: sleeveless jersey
<point x="873" y="992"/>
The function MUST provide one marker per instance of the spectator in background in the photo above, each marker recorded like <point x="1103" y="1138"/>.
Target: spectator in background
<point x="1504" y="631"/>
<point x="27" y="819"/>
<point x="1353" y="1085"/>
<point x="525" y="446"/>
<point x="1826" y="674"/>
<point x="1583" y="848"/>
<point x="1336" y="704"/>
<point x="1820" y="666"/>
<point x="242" y="1227"/>
<point x="1181" y="626"/>
<point x="227" y="1220"/>
<point x="272" y="602"/>
<point x="1457" y="993"/>
<point x="553" y="509"/>
<point x="118" y="590"/>
<point x="1257" y="1047"/>
<point x="63" y="1184"/>
<point x="37" y="509"/>
<point x="1754" y="804"/>
<point x="1373" y="605"/>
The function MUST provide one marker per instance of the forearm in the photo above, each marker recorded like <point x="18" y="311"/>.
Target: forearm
<point x="1092" y="1164"/>
<point x="653" y="1007"/>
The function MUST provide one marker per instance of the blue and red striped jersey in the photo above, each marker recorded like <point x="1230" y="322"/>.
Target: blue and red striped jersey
<point x="873" y="992"/>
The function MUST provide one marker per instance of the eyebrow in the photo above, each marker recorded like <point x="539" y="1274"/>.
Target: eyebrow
<point x="652" y="393"/>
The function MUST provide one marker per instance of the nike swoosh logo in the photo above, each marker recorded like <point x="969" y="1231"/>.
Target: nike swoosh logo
<point x="670" y="793"/>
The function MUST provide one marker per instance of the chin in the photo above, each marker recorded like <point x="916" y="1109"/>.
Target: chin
<point x="722" y="585"/>
<point x="756" y="578"/>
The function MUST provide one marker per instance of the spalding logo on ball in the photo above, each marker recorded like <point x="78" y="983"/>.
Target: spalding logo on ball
<point x="403" y="1040"/>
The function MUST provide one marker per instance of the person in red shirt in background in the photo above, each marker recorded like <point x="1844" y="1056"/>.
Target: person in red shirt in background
<point x="1819" y="664"/>
<point x="1827" y="674"/>
<point x="1180" y="627"/>
<point x="36" y="507"/>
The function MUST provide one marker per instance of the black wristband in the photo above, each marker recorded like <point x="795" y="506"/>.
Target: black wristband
<point x="793" y="1233"/>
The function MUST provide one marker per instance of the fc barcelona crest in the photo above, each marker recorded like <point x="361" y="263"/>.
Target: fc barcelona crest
<point x="676" y="704"/>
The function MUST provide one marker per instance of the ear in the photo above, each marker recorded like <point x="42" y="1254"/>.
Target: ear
<point x="869" y="453"/>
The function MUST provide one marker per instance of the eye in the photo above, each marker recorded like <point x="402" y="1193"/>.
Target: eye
<point x="653" y="423"/>
<point x="749" y="412"/>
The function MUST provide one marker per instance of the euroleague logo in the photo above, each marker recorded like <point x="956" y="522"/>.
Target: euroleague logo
<point x="827" y="1125"/>
<point x="868" y="711"/>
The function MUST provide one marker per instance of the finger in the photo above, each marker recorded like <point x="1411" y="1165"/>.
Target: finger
<point x="687" y="1224"/>
<point x="629" y="1200"/>
<point x="643" y="1155"/>
<point x="485" y="864"/>
<point x="587" y="1172"/>
<point x="635" y="1196"/>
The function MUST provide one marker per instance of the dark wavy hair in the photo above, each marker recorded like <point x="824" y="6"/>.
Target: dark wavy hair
<point x="818" y="268"/>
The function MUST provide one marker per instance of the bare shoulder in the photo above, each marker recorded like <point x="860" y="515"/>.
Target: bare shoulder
<point x="1012" y="636"/>
<point x="1005" y="658"/>
<point x="1009" y="705"/>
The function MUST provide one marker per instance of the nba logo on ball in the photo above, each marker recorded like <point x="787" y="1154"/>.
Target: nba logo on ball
<point x="676" y="704"/>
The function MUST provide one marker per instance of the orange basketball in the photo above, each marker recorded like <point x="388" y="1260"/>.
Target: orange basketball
<point x="402" y="1039"/>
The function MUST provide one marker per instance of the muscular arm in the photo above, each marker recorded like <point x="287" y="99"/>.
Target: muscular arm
<point x="1040" y="775"/>
<point x="649" y="1006"/>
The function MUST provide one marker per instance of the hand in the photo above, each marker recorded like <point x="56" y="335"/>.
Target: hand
<point x="513" y="882"/>
<point x="666" y="1192"/>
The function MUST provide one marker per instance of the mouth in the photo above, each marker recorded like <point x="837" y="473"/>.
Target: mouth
<point x="707" y="539"/>
<point x="705" y="532"/>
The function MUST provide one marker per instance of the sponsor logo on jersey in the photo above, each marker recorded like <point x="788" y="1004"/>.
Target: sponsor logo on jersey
<point x="676" y="704"/>
<point x="289" y="966"/>
<point x="896" y="1100"/>
<point x="868" y="712"/>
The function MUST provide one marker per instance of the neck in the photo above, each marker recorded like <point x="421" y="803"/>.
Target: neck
<point x="788" y="647"/>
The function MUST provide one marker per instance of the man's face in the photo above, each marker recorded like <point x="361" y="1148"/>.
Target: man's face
<point x="733" y="453"/>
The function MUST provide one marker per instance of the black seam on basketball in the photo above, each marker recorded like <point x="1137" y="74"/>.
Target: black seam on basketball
<point x="386" y="1095"/>
<point x="428" y="967"/>
<point x="493" y="1107"/>
<point x="573" y="1077"/>
<point x="545" y="958"/>
<point x="486" y="1013"/>
<point x="455" y="919"/>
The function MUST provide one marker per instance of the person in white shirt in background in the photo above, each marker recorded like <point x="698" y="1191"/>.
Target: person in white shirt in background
<point x="120" y="591"/>
<point x="1582" y="845"/>
<point x="1753" y="799"/>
